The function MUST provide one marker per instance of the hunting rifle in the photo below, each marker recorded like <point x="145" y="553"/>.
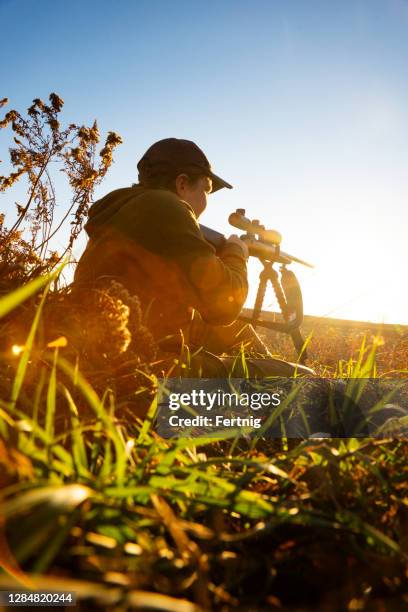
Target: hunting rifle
<point x="265" y="245"/>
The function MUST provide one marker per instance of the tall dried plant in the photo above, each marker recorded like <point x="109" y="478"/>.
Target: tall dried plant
<point x="41" y="143"/>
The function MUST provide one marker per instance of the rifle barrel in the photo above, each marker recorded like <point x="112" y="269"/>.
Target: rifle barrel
<point x="294" y="259"/>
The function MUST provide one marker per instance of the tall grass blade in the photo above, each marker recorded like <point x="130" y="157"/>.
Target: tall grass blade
<point x="51" y="398"/>
<point x="25" y="356"/>
<point x="17" y="297"/>
<point x="78" y="445"/>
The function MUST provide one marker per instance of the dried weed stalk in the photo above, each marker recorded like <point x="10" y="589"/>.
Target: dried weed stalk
<point x="41" y="142"/>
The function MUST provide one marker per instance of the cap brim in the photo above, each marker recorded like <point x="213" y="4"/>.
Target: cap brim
<point x="218" y="182"/>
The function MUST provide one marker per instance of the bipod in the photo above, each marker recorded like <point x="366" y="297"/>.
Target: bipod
<point x="289" y="298"/>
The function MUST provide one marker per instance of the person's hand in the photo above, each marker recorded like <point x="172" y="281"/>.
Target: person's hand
<point x="234" y="239"/>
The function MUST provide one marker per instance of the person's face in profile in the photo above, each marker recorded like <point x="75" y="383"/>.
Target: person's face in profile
<point x="194" y="193"/>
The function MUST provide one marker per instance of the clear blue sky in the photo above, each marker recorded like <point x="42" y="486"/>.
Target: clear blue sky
<point x="301" y="105"/>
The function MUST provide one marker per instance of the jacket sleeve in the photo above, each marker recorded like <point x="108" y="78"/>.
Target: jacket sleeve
<point x="220" y="283"/>
<point x="216" y="285"/>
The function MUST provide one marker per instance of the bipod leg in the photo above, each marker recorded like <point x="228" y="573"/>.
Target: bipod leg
<point x="296" y="336"/>
<point x="264" y="276"/>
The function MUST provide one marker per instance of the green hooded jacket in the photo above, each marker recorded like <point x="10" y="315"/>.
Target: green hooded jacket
<point x="150" y="241"/>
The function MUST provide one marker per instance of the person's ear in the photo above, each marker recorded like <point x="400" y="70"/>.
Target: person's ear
<point x="181" y="184"/>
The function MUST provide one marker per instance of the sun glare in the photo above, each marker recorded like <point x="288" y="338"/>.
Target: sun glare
<point x="356" y="274"/>
<point x="17" y="349"/>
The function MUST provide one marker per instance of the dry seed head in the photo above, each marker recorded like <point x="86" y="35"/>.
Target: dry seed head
<point x="56" y="102"/>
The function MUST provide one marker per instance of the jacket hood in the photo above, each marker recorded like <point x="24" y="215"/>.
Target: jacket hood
<point x="104" y="209"/>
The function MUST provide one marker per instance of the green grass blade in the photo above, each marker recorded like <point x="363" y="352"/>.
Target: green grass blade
<point x="51" y="398"/>
<point x="98" y="407"/>
<point x="78" y="445"/>
<point x="17" y="297"/>
<point x="25" y="356"/>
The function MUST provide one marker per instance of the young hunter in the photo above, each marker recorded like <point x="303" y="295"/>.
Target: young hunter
<point x="147" y="237"/>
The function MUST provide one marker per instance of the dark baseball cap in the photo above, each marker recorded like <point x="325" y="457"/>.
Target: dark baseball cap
<point x="174" y="156"/>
